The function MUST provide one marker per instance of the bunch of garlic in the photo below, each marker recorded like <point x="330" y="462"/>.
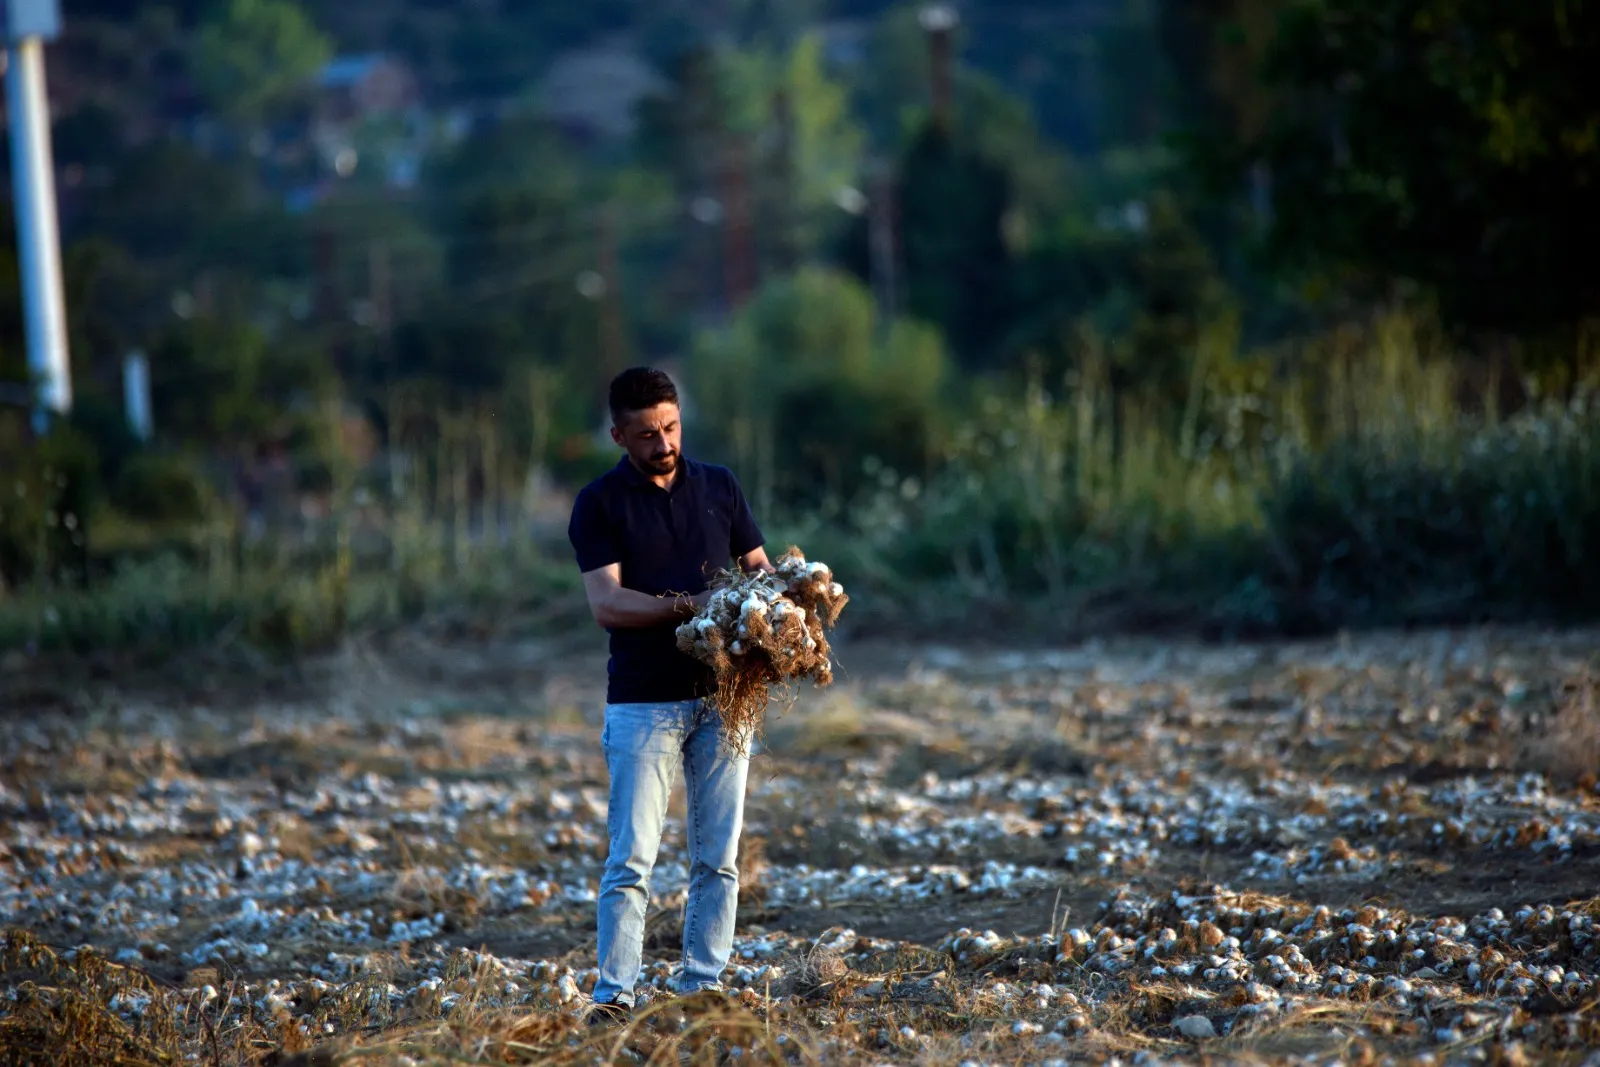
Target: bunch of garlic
<point x="763" y="629"/>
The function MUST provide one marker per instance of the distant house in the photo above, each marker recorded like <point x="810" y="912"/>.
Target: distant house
<point x="355" y="87"/>
<point x="594" y="91"/>
<point x="356" y="95"/>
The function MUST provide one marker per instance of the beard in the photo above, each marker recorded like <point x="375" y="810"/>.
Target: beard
<point x="661" y="464"/>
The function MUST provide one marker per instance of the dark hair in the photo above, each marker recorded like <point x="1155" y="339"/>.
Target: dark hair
<point x="639" y="388"/>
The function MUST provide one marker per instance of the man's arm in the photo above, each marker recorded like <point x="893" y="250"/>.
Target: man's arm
<point x="756" y="560"/>
<point x="614" y="607"/>
<point x="745" y="541"/>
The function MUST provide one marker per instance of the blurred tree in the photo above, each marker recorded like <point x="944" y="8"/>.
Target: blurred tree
<point x="1166" y="293"/>
<point x="113" y="305"/>
<point x="53" y="488"/>
<point x="999" y="125"/>
<point x="778" y="21"/>
<point x="518" y="217"/>
<point x="174" y="210"/>
<point x="371" y="263"/>
<point x="892" y="85"/>
<point x="254" y="56"/>
<point x="787" y="102"/>
<point x="951" y="207"/>
<point x="493" y="54"/>
<point x="119" y="75"/>
<point x="218" y="382"/>
<point x="1140" y="277"/>
<point x="678" y="138"/>
<point x="893" y="90"/>
<point x="968" y="204"/>
<point x="1444" y="142"/>
<point x="646" y="214"/>
<point x="89" y="137"/>
<point x="806" y="354"/>
<point x="1131" y="66"/>
<point x="1215" y="49"/>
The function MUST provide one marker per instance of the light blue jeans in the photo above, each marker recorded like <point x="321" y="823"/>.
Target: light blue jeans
<point x="644" y="745"/>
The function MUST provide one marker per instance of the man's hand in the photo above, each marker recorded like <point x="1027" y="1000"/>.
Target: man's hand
<point x="756" y="560"/>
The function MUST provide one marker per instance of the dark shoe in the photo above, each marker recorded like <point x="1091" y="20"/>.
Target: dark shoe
<point x="608" y="1013"/>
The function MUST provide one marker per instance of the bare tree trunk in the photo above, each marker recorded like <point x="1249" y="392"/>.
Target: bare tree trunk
<point x="460" y="505"/>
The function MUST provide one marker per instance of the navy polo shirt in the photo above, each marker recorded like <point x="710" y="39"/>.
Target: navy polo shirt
<point x="668" y="542"/>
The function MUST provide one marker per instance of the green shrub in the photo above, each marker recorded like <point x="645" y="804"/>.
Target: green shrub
<point x="167" y="603"/>
<point x="1379" y="503"/>
<point x="804" y="384"/>
<point x="104" y="424"/>
<point x="163" y="490"/>
<point x="1497" y="521"/>
<point x="48" y="491"/>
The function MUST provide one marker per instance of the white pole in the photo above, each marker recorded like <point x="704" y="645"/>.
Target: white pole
<point x="136" y="394"/>
<point x="38" y="243"/>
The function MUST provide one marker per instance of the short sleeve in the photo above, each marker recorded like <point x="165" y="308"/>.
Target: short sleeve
<point x="745" y="535"/>
<point x="594" y="539"/>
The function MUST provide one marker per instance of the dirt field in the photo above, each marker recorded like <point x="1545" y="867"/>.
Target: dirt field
<point x="1362" y="850"/>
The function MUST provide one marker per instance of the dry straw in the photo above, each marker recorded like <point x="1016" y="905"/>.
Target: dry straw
<point x="763" y="630"/>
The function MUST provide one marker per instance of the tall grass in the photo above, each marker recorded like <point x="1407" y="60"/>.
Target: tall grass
<point x="168" y="603"/>
<point x="1352" y="488"/>
<point x="409" y="540"/>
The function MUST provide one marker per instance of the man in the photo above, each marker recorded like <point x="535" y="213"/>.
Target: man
<point x="648" y="535"/>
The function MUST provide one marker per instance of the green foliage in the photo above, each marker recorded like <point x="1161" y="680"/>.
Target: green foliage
<point x="1355" y="493"/>
<point x="114" y="300"/>
<point x="1043" y="494"/>
<point x="826" y="141"/>
<point x="1167" y="289"/>
<point x="518" y="225"/>
<point x="254" y="56"/>
<point x="1140" y="281"/>
<point x="103" y="426"/>
<point x="803" y="384"/>
<point x="167" y="604"/>
<point x="992" y="117"/>
<point x="952" y="204"/>
<point x="892" y="90"/>
<point x="49" y="490"/>
<point x="1215" y="50"/>
<point x="1439" y="143"/>
<point x="163" y="490"/>
<point x="999" y="126"/>
<point x="206" y="382"/>
<point x="171" y="226"/>
<point x="1133" y="69"/>
<point x="1492" y="521"/>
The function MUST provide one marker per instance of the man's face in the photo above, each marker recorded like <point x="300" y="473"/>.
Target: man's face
<point x="653" y="438"/>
